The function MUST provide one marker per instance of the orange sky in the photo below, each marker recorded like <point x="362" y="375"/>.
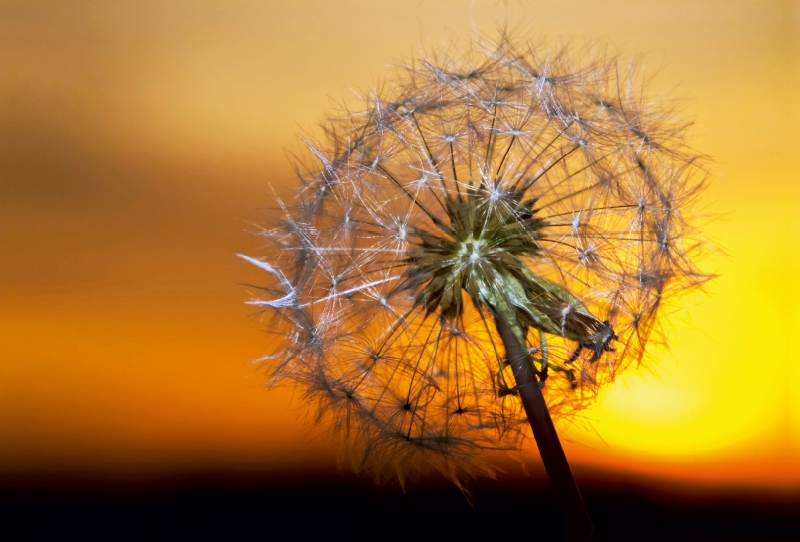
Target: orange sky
<point x="138" y="139"/>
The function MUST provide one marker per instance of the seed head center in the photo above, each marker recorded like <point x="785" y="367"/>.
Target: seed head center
<point x="471" y="249"/>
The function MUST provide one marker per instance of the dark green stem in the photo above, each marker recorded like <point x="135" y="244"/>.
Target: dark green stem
<point x="579" y="526"/>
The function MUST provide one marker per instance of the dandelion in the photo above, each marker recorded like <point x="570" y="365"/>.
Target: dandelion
<point x="479" y="249"/>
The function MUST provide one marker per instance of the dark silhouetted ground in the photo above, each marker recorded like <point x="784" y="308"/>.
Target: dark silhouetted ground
<point x="314" y="505"/>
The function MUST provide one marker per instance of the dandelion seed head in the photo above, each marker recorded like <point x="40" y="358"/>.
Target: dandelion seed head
<point x="503" y="177"/>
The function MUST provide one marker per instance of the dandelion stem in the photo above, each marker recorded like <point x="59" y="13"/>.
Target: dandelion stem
<point x="453" y="163"/>
<point x="578" y="524"/>
<point x="503" y="160"/>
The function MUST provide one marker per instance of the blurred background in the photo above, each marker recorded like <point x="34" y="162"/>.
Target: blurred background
<point x="138" y="140"/>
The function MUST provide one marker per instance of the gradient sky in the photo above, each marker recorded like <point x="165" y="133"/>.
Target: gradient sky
<point x="138" y="140"/>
